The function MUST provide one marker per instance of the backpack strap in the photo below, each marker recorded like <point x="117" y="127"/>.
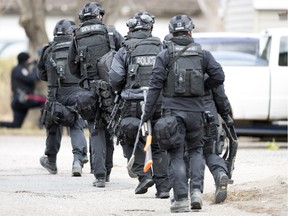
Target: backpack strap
<point x="179" y="54"/>
<point x="129" y="49"/>
<point x="111" y="33"/>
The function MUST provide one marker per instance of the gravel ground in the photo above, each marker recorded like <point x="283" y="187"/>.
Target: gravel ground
<point x="260" y="184"/>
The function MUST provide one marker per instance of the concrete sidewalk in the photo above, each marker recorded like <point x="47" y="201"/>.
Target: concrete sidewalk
<point x="28" y="189"/>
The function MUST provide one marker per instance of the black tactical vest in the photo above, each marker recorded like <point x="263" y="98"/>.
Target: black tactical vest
<point x="59" y="74"/>
<point x="141" y="55"/>
<point x="92" y="43"/>
<point x="185" y="77"/>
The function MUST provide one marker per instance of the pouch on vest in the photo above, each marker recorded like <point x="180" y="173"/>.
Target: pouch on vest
<point x="185" y="77"/>
<point x="191" y="77"/>
<point x="180" y="81"/>
<point x="197" y="88"/>
<point x="87" y="105"/>
<point x="167" y="133"/>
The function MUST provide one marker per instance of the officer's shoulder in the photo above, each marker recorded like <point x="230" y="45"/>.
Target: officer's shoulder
<point x="155" y="38"/>
<point x="164" y="53"/>
<point x="111" y="28"/>
<point x="47" y="48"/>
<point x="206" y="53"/>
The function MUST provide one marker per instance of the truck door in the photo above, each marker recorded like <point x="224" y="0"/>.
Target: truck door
<point x="279" y="75"/>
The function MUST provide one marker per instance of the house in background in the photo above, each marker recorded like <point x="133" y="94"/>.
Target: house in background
<point x="254" y="15"/>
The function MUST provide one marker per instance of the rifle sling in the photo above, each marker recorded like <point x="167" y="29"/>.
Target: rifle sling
<point x="179" y="54"/>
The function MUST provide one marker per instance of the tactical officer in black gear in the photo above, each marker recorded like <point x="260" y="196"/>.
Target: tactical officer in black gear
<point x="63" y="88"/>
<point x="216" y="102"/>
<point x="23" y="84"/>
<point x="131" y="70"/>
<point x="178" y="74"/>
<point x="93" y="40"/>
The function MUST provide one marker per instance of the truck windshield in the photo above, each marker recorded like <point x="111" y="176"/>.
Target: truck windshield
<point x="233" y="44"/>
<point x="232" y="50"/>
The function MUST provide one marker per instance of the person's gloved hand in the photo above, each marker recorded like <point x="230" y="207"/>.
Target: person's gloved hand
<point x="148" y="112"/>
<point x="228" y="120"/>
<point x="146" y="117"/>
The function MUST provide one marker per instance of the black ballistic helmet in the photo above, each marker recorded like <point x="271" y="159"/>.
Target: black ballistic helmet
<point x="180" y="23"/>
<point x="141" y="20"/>
<point x="64" y="27"/>
<point x="90" y="11"/>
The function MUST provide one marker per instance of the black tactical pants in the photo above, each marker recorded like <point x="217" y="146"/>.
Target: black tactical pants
<point x="102" y="149"/>
<point x="67" y="96"/>
<point x="214" y="161"/>
<point x="20" y="111"/>
<point x="191" y="127"/>
<point x="160" y="160"/>
<point x="78" y="141"/>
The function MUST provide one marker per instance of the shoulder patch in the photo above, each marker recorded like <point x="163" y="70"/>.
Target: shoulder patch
<point x="25" y="72"/>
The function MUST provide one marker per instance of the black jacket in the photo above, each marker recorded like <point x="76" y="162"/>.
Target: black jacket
<point x="209" y="66"/>
<point x="23" y="81"/>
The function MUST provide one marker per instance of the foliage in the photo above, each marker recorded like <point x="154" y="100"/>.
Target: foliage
<point x="5" y="85"/>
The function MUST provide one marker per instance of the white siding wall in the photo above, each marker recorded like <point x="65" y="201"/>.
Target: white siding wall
<point x="239" y="16"/>
<point x="268" y="19"/>
<point x="254" y="15"/>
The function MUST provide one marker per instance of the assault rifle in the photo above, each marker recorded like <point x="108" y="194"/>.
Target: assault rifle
<point x="231" y="150"/>
<point x="116" y="116"/>
<point x="99" y="86"/>
<point x="115" y="111"/>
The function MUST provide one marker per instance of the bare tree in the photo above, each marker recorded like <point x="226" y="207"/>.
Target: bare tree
<point x="210" y="15"/>
<point x="32" y="19"/>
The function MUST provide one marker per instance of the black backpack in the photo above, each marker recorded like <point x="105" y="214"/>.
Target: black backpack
<point x="105" y="62"/>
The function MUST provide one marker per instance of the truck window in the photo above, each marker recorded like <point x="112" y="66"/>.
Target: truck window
<point x="283" y="51"/>
<point x="233" y="44"/>
<point x="266" y="51"/>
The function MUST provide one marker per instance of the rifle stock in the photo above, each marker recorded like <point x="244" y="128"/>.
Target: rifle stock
<point x="231" y="151"/>
<point x="114" y="111"/>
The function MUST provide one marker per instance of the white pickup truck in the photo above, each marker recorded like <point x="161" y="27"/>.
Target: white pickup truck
<point x="256" y="73"/>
